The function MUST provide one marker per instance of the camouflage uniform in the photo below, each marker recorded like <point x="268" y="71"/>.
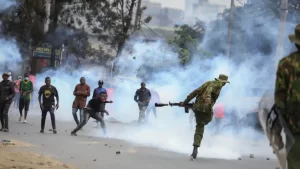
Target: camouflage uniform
<point x="206" y="97"/>
<point x="287" y="97"/>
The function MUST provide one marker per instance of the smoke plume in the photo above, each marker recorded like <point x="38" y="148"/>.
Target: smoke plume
<point x="9" y="54"/>
<point x="5" y="4"/>
<point x="171" y="131"/>
<point x="249" y="79"/>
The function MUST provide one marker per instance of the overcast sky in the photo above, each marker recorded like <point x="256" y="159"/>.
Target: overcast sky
<point x="180" y="3"/>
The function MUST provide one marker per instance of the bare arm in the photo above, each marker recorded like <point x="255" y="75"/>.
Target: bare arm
<point x="40" y="96"/>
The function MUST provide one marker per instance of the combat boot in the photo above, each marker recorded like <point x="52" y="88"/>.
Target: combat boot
<point x="195" y="152"/>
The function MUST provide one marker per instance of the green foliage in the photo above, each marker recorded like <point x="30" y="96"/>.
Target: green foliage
<point x="186" y="41"/>
<point x="25" y="23"/>
<point x="112" y="20"/>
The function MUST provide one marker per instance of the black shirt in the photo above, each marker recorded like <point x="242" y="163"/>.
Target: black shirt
<point x="48" y="95"/>
<point x="96" y="105"/>
<point x="142" y="95"/>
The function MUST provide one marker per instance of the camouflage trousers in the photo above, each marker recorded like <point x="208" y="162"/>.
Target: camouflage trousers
<point x="202" y="119"/>
<point x="4" y="108"/>
<point x="293" y="157"/>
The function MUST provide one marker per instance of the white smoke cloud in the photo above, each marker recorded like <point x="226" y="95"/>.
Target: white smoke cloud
<point x="4" y="4"/>
<point x="171" y="130"/>
<point x="9" y="54"/>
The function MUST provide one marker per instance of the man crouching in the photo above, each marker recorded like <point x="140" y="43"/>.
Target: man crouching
<point x="94" y="106"/>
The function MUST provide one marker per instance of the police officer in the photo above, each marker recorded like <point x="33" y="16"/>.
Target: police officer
<point x="206" y="96"/>
<point x="287" y="96"/>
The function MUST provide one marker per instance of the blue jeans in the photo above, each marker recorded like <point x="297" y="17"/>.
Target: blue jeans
<point x="74" y="112"/>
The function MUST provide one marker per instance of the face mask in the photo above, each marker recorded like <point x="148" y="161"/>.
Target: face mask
<point x="26" y="78"/>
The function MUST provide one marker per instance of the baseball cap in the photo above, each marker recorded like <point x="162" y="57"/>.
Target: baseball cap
<point x="100" y="81"/>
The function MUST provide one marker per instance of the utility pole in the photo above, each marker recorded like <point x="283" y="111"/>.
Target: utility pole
<point x="228" y="48"/>
<point x="137" y="15"/>
<point x="281" y="33"/>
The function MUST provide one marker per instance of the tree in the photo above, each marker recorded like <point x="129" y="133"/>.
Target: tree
<point x="186" y="41"/>
<point x="112" y="20"/>
<point x="25" y="23"/>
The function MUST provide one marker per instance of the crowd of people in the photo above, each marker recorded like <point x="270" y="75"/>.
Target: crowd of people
<point x="19" y="94"/>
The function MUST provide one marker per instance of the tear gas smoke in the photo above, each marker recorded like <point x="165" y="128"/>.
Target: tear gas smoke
<point x="171" y="130"/>
<point x="9" y="54"/>
<point x="4" y="4"/>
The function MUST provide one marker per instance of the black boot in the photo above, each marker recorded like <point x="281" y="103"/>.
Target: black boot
<point x="195" y="152"/>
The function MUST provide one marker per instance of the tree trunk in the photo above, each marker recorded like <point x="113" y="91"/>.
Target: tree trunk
<point x="120" y="47"/>
<point x="52" y="31"/>
<point x="48" y="11"/>
<point x="126" y="27"/>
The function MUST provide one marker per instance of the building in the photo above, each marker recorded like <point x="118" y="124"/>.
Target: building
<point x="164" y="17"/>
<point x="202" y="9"/>
<point x="206" y="11"/>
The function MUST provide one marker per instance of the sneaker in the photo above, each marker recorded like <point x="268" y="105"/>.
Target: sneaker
<point x="1" y="129"/>
<point x="104" y="132"/>
<point x="73" y="133"/>
<point x="54" y="131"/>
<point x="24" y="121"/>
<point x="5" y="130"/>
<point x="20" y="119"/>
<point x="42" y="131"/>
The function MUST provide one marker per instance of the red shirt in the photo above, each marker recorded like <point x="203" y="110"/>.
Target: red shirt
<point x="17" y="86"/>
<point x="219" y="111"/>
<point x="32" y="79"/>
<point x="80" y="100"/>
